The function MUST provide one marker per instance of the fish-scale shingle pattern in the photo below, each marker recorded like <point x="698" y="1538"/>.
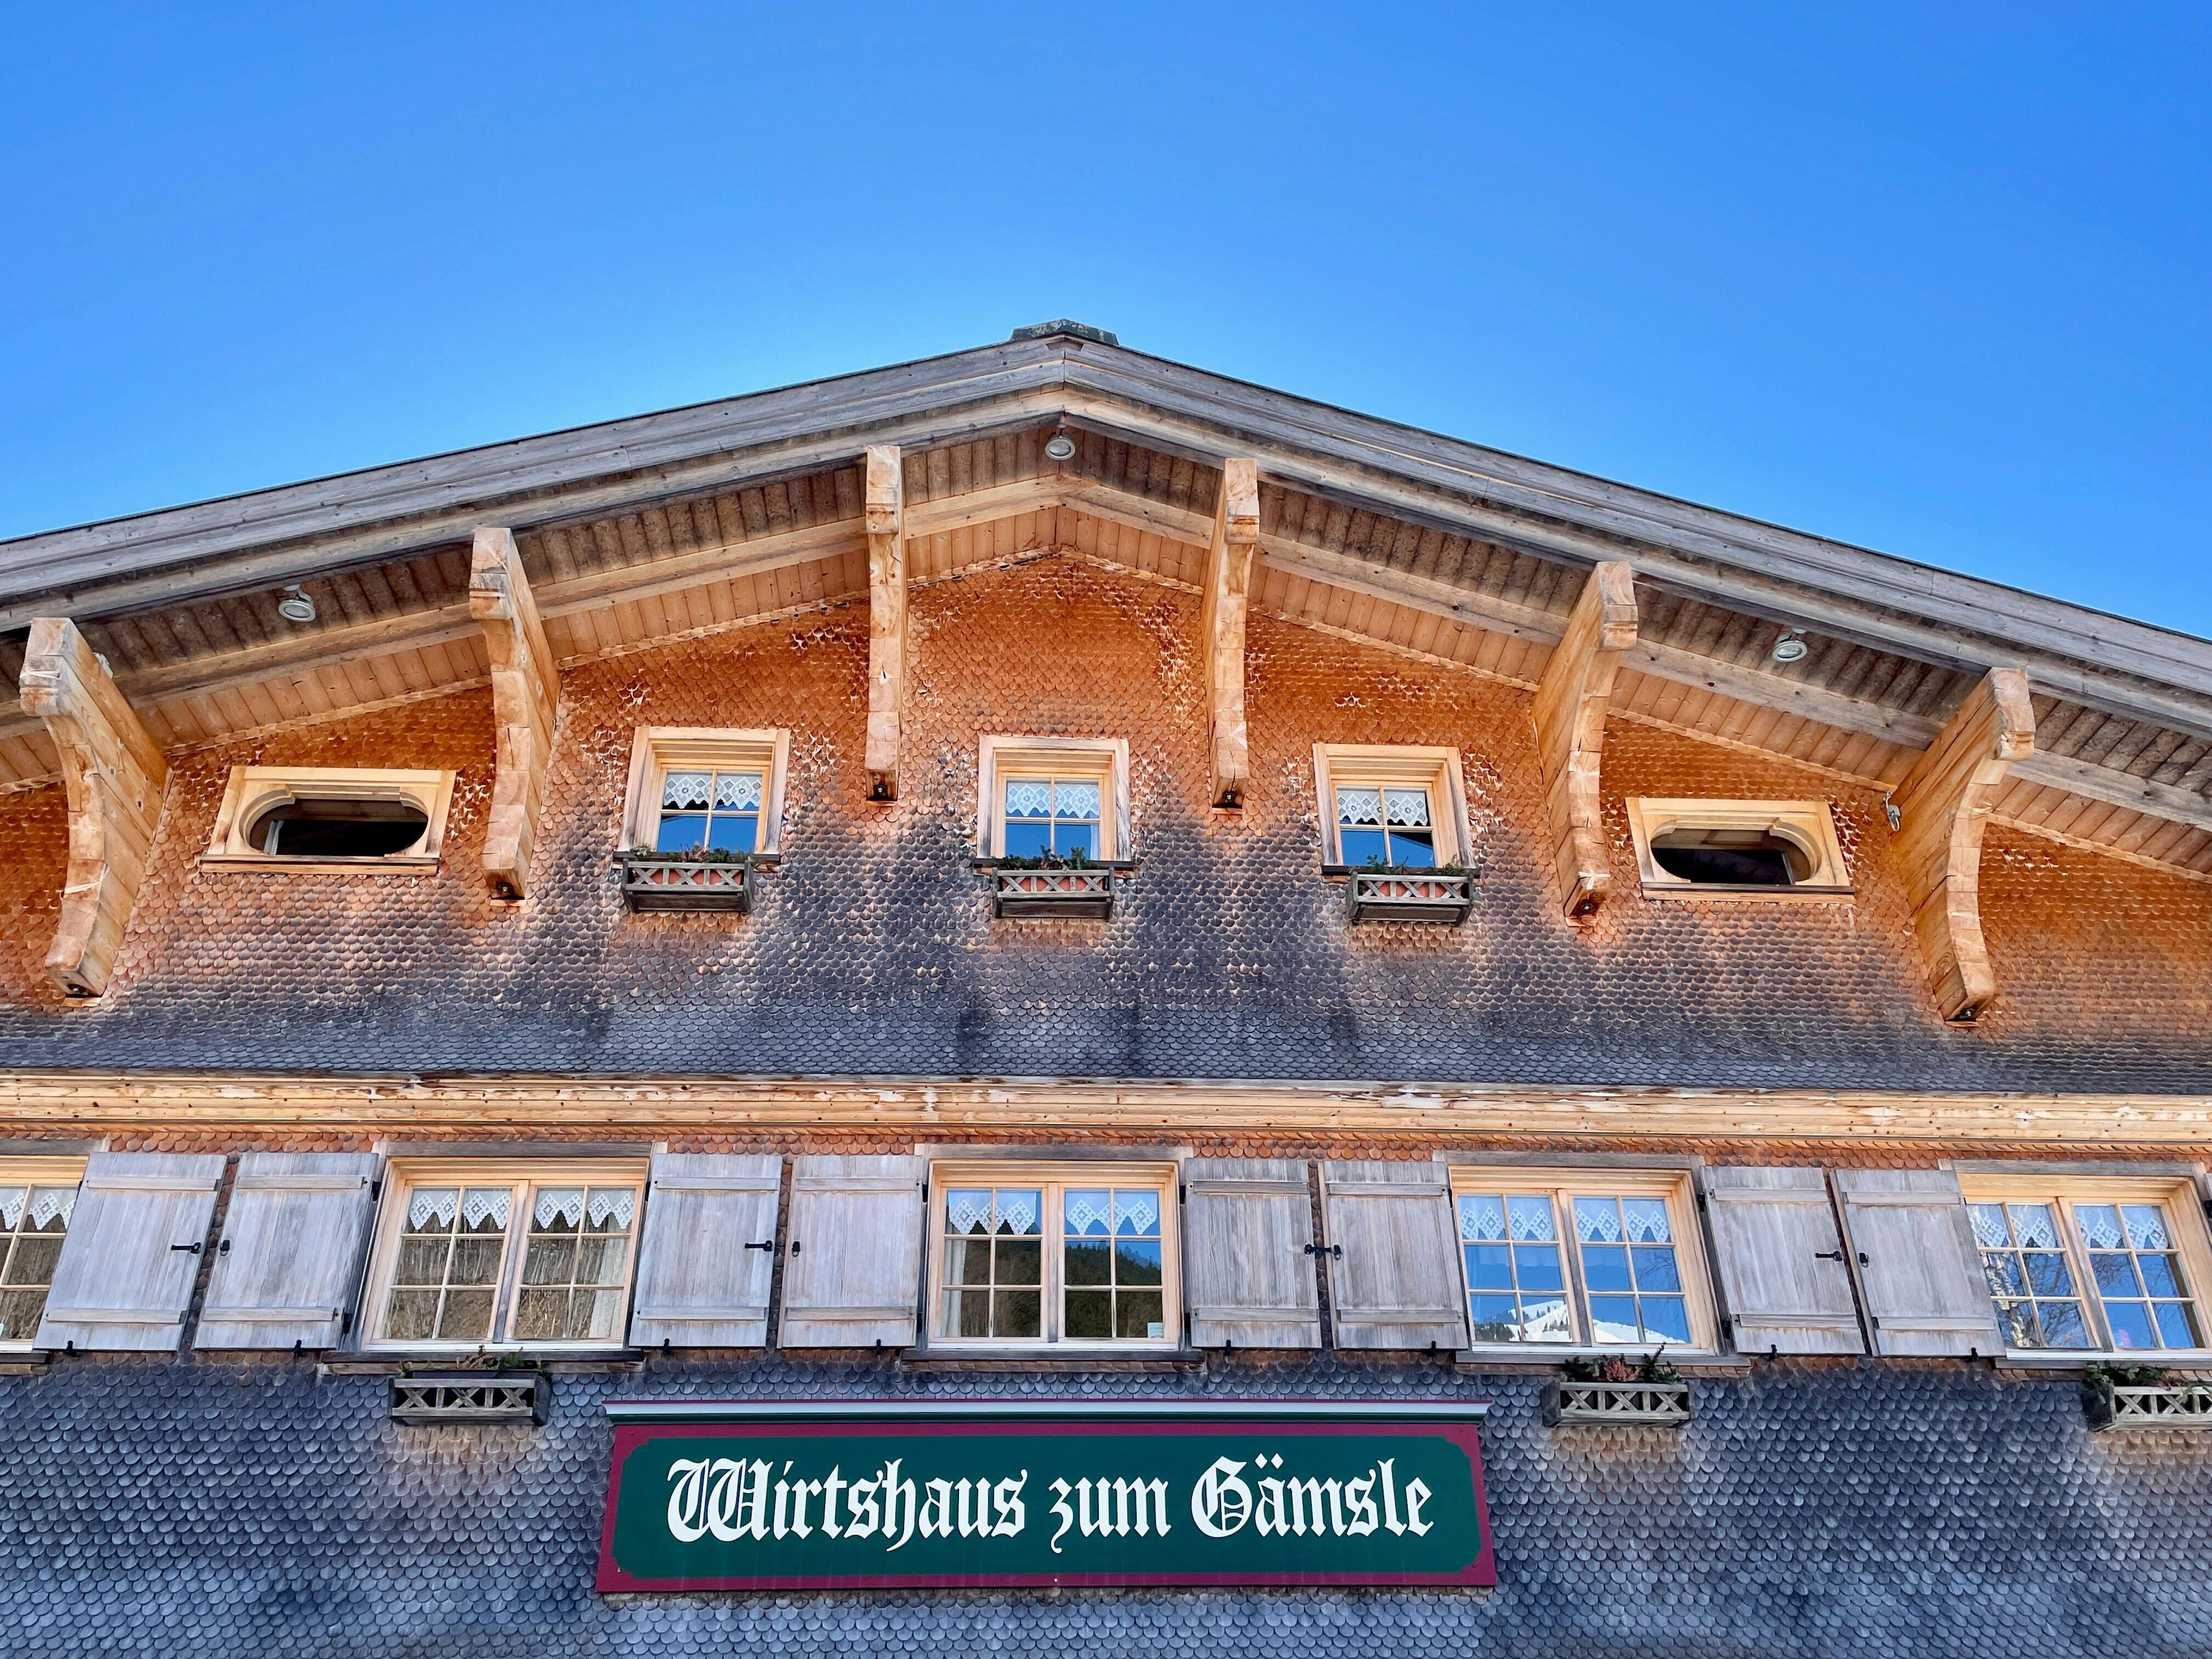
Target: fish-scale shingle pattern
<point x="872" y="952"/>
<point x="1869" y="1511"/>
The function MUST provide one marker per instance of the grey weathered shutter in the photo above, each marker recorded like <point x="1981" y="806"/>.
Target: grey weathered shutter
<point x="1921" y="1274"/>
<point x="707" y="1251"/>
<point x="1248" y="1253"/>
<point x="1393" y="1257"/>
<point x="1781" y="1261"/>
<point x="132" y="1251"/>
<point x="291" y="1244"/>
<point x="852" y="1272"/>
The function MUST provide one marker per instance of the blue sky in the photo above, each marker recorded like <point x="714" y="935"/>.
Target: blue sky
<point x="1931" y="279"/>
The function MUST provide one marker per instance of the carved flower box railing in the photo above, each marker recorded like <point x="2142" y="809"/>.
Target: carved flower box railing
<point x="472" y="1397"/>
<point x="1084" y="891"/>
<point x="1630" y="1404"/>
<point x="2150" y="1406"/>
<point x="677" y="884"/>
<point x="1409" y="895"/>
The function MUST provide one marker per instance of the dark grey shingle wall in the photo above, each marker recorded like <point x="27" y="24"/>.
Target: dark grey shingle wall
<point x="172" y="1508"/>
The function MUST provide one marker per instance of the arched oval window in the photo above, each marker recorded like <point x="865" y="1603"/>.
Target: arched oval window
<point x="328" y="828"/>
<point x="1731" y="858"/>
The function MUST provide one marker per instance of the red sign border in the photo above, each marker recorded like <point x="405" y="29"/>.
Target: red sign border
<point x="1464" y="1432"/>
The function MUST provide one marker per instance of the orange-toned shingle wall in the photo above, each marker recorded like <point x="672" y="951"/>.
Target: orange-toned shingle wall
<point x="876" y="920"/>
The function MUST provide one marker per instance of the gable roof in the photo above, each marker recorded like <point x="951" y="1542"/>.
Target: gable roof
<point x="1354" y="503"/>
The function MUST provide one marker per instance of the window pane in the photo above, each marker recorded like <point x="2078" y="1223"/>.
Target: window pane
<point x="1139" y="1316"/>
<point x="1016" y="1313"/>
<point x="540" y="1315"/>
<point x="1613" y="1319"/>
<point x="735" y="834"/>
<point x="1082" y="838"/>
<point x="1407" y="808"/>
<point x="1137" y="1261"/>
<point x="1359" y="807"/>
<point x="1028" y="840"/>
<point x="1089" y="1262"/>
<point x="32" y="1262"/>
<point x="1358" y="846"/>
<point x="1537" y="1266"/>
<point x="1490" y="1267"/>
<point x="1029" y="798"/>
<point x="475" y="1260"/>
<point x="968" y="1209"/>
<point x="2048" y="1274"/>
<point x="2146" y="1226"/>
<point x="1482" y="1215"/>
<point x="549" y="1262"/>
<point x="466" y="1316"/>
<point x="1665" y="1316"/>
<point x="2131" y="1325"/>
<point x="1089" y="1315"/>
<point x="1415" y="848"/>
<point x="20" y="1313"/>
<point x="684" y="792"/>
<point x="411" y="1316"/>
<point x="967" y="1261"/>
<point x="1075" y="797"/>
<point x="2177" y="1325"/>
<point x="1605" y="1267"/>
<point x="968" y="1313"/>
<point x="1020" y="1263"/>
<point x="422" y="1261"/>
<point x="680" y="834"/>
<point x="738" y="792"/>
<point x="2116" y="1273"/>
<point x="1654" y="1268"/>
<point x="2063" y="1325"/>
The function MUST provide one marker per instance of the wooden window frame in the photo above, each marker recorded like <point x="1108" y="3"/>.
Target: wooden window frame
<point x="655" y="750"/>
<point x="253" y="790"/>
<point x="36" y="1170"/>
<point x="402" y="1177"/>
<point x="2184" y="1214"/>
<point x="1562" y="1185"/>
<point x="1808" y="824"/>
<point x="1054" y="1179"/>
<point x="1107" y="759"/>
<point x="1437" y="769"/>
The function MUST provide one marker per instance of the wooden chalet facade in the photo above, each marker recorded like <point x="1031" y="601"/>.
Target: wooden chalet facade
<point x="1043" y="893"/>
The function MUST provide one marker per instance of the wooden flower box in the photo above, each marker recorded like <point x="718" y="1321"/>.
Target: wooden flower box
<point x="2150" y="1406"/>
<point x="1630" y="1404"/>
<point x="472" y="1397"/>
<point x="1086" y="892"/>
<point x="1409" y="895"/>
<point x="658" y="883"/>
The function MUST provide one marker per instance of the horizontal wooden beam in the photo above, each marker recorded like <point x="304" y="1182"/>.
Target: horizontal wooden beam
<point x="2114" y="787"/>
<point x="228" y="1106"/>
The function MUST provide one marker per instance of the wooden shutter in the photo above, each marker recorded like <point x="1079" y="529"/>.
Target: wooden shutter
<point x="131" y="1253"/>
<point x="291" y="1245"/>
<point x="1248" y="1253"/>
<point x="1920" y="1273"/>
<point x="852" y="1272"/>
<point x="1781" y="1261"/>
<point x="706" y="1250"/>
<point x="1393" y="1257"/>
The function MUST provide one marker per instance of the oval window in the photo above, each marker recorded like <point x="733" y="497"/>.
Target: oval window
<point x="311" y="829"/>
<point x="1731" y="858"/>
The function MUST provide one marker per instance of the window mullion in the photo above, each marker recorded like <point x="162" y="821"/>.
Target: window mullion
<point x="1570" y="1242"/>
<point x="2085" y="1278"/>
<point x="1055" y="1242"/>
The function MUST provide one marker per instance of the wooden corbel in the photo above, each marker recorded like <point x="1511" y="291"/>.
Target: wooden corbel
<point x="1569" y="719"/>
<point x="114" y="773"/>
<point x="886" y="522"/>
<point x="1228" y="560"/>
<point x="1942" y="808"/>
<point x="526" y="694"/>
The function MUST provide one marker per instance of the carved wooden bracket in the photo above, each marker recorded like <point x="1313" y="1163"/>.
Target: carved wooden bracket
<point x="114" y="773"/>
<point x="1943" y="805"/>
<point x="886" y="522"/>
<point x="1228" y="560"/>
<point x="1569" y="719"/>
<point x="526" y="694"/>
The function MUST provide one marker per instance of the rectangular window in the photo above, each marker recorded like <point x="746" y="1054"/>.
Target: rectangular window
<point x="696" y="789"/>
<point x="494" y="1256"/>
<point x="1398" y="807"/>
<point x="1063" y="798"/>
<point x="35" y="1216"/>
<point x="2102" y="1267"/>
<point x="1595" y="1261"/>
<point x="1045" y="1257"/>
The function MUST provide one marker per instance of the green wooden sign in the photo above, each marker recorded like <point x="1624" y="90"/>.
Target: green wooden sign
<point x="713" y="1496"/>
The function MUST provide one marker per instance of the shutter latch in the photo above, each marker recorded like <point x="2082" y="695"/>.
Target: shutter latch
<point x="765" y="1244"/>
<point x="1827" y="1255"/>
<point x="193" y="1249"/>
<point x="1335" y="1250"/>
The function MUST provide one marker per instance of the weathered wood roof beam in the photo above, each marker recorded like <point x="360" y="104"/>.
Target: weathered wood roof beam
<point x="526" y="693"/>
<point x="1943" y="807"/>
<point x="1234" y="545"/>
<point x="887" y="630"/>
<point x="115" y="775"/>
<point x="1569" y="715"/>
